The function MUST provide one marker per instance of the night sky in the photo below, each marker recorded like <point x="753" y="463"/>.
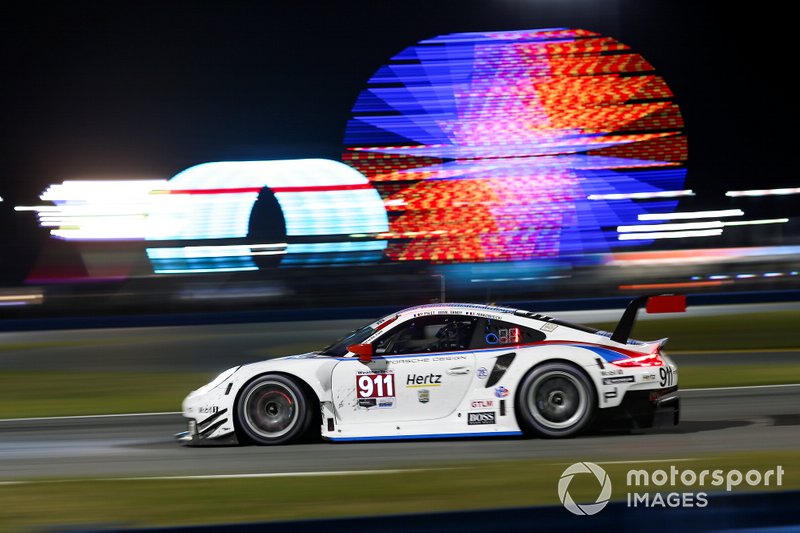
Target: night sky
<point x="145" y="89"/>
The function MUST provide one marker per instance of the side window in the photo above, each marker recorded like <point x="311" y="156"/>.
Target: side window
<point x="436" y="333"/>
<point x="496" y="333"/>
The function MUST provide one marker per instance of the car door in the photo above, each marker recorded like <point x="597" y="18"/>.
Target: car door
<point x="421" y="369"/>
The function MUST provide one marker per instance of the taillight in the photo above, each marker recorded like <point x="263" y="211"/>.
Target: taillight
<point x="652" y="359"/>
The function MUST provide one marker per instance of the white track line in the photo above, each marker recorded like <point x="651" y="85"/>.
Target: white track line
<point x="172" y="413"/>
<point x="680" y="460"/>
<point x="279" y="474"/>
<point x="73" y="417"/>
<point x="231" y="476"/>
<point x="743" y="387"/>
<point x="641" y="461"/>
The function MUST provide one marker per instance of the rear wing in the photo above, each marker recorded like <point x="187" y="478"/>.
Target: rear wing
<point x="662" y="303"/>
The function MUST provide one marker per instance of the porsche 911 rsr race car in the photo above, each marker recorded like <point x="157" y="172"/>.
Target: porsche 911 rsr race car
<point x="447" y="370"/>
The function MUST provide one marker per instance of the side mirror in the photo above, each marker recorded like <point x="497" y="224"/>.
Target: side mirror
<point x="363" y="351"/>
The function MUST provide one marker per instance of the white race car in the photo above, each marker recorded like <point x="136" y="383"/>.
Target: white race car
<point x="446" y="370"/>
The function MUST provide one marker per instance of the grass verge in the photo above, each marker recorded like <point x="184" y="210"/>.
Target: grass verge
<point x="762" y="331"/>
<point x="700" y="377"/>
<point x="128" y="503"/>
<point x="32" y="394"/>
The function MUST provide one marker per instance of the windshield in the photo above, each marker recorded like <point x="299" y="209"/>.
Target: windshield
<point x="339" y="348"/>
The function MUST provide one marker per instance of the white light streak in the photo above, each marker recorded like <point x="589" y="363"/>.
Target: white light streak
<point x="692" y="215"/>
<point x="96" y="210"/>
<point x="757" y="222"/>
<point x="671" y="227"/>
<point x="763" y="192"/>
<point x="641" y="195"/>
<point x="205" y="270"/>
<point x="38" y="208"/>
<point x="669" y="234"/>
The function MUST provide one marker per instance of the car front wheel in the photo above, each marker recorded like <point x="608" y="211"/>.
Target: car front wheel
<point x="273" y="409"/>
<point x="556" y="400"/>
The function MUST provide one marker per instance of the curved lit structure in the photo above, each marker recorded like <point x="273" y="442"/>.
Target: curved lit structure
<point x="517" y="145"/>
<point x="465" y="148"/>
<point x="321" y="212"/>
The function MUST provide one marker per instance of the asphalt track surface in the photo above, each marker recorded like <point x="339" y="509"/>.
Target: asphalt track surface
<point x="715" y="421"/>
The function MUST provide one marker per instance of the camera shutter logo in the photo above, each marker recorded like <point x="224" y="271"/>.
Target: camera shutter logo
<point x="587" y="508"/>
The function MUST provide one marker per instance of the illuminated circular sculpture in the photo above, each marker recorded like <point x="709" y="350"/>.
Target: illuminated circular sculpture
<point x="516" y="145"/>
<point x="313" y="211"/>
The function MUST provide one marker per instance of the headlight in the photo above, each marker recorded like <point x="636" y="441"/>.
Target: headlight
<point x="217" y="381"/>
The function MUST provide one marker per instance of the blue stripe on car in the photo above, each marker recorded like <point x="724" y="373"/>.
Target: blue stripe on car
<point x="429" y="436"/>
<point x="609" y="355"/>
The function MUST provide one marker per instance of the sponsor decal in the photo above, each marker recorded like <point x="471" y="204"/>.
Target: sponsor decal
<point x="610" y="395"/>
<point x="208" y="409"/>
<point x="649" y="377"/>
<point x="379" y="403"/>
<point x="618" y="379"/>
<point x="375" y="386"/>
<point x="448" y="358"/>
<point x="547" y="326"/>
<point x="424" y="380"/>
<point x="424" y="395"/>
<point x="501" y="392"/>
<point x="483" y="373"/>
<point x="480" y="419"/>
<point x="430" y="313"/>
<point x="481" y="404"/>
<point x="404" y="361"/>
<point x="419" y="360"/>
<point x="615" y="372"/>
<point x="482" y="315"/>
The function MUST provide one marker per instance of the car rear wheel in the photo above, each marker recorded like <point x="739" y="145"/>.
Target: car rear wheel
<point x="556" y="400"/>
<point x="273" y="409"/>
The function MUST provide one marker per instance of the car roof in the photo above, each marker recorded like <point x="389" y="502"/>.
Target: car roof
<point x="479" y="309"/>
<point x="458" y="307"/>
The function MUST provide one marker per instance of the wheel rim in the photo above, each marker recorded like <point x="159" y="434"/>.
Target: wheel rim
<point x="270" y="409"/>
<point x="558" y="400"/>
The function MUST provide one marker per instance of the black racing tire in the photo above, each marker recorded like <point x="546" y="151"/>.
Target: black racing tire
<point x="274" y="409"/>
<point x="556" y="400"/>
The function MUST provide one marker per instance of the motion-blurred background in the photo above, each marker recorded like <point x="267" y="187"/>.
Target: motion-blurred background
<point x="617" y="149"/>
